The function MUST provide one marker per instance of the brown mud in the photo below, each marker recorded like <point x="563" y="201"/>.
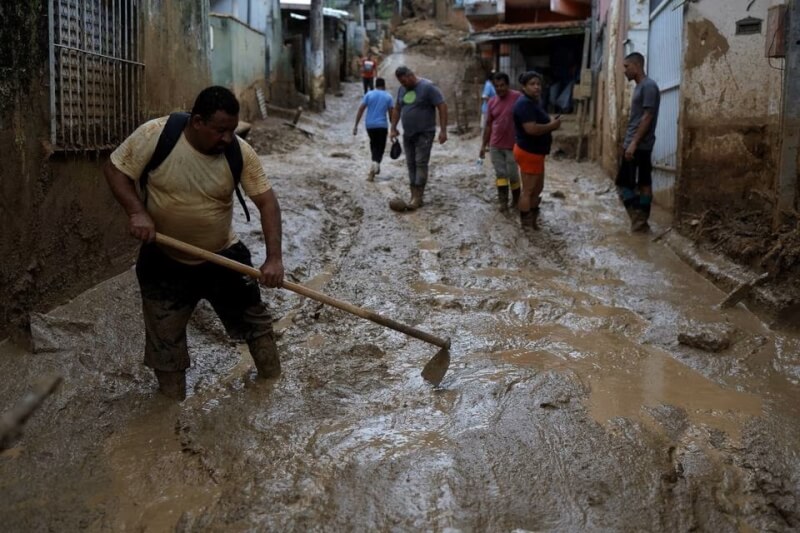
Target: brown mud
<point x="747" y="237"/>
<point x="569" y="405"/>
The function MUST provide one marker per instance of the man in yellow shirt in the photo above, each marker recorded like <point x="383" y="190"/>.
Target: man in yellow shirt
<point x="189" y="196"/>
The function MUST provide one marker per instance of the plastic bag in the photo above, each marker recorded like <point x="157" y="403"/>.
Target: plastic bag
<point x="396" y="150"/>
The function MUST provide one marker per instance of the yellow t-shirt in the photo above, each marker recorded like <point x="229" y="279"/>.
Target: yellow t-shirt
<point x="190" y="195"/>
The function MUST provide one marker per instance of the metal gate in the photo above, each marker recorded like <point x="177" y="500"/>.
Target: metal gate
<point x="665" y="54"/>
<point x="96" y="72"/>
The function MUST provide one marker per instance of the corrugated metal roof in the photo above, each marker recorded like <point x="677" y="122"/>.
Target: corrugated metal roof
<point x="529" y="30"/>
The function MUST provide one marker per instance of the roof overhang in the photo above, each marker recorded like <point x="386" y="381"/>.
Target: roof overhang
<point x="539" y="30"/>
<point x="305" y="5"/>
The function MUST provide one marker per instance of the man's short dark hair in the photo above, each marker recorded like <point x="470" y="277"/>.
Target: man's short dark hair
<point x="635" y="57"/>
<point x="213" y="99"/>
<point x="525" y="77"/>
<point x="501" y="76"/>
<point x="403" y="71"/>
<point x="380" y="82"/>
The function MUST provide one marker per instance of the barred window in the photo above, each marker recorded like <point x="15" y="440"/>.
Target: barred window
<point x="96" y="72"/>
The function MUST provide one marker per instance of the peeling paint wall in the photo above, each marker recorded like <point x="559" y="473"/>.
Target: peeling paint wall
<point x="731" y="101"/>
<point x="62" y="229"/>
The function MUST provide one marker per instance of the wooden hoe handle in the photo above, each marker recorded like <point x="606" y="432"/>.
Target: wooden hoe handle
<point x="303" y="290"/>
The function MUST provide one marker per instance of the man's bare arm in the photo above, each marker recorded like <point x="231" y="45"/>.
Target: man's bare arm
<point x="140" y="225"/>
<point x="272" y="270"/>
<point x="442" y="122"/>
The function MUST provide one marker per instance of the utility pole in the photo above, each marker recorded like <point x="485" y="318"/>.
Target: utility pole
<point x="317" y="58"/>
<point x="787" y="185"/>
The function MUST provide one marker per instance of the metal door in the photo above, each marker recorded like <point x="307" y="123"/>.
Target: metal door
<point x="665" y="54"/>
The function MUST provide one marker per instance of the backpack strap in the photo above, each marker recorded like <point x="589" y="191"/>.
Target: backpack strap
<point x="169" y="137"/>
<point x="233" y="153"/>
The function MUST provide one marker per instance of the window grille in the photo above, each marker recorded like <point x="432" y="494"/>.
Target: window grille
<point x="96" y="72"/>
<point x="748" y="26"/>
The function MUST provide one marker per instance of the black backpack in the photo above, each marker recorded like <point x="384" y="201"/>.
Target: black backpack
<point x="169" y="137"/>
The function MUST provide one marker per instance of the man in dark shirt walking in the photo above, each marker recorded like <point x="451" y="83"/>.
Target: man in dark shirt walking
<point x="417" y="103"/>
<point x="634" y="179"/>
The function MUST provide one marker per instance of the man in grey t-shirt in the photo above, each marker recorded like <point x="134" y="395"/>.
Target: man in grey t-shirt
<point x="417" y="102"/>
<point x="634" y="179"/>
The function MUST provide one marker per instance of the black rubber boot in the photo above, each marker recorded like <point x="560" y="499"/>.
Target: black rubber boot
<point x="525" y="219"/>
<point x="515" y="193"/>
<point x="265" y="355"/>
<point x="639" y="221"/>
<point x="535" y="218"/>
<point x="172" y="384"/>
<point x="502" y="198"/>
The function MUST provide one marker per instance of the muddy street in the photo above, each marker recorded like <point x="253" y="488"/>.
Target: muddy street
<point x="569" y="405"/>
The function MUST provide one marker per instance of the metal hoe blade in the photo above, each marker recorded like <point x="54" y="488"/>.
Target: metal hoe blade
<point x="436" y="368"/>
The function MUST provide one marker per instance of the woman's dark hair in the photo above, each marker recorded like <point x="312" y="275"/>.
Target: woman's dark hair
<point x="213" y="99"/>
<point x="501" y="76"/>
<point x="525" y="77"/>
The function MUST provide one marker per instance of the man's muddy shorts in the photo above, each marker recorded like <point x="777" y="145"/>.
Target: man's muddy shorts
<point x="505" y="166"/>
<point x="171" y="290"/>
<point x="637" y="172"/>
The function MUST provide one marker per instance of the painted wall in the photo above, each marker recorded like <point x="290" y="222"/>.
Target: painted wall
<point x="62" y="230"/>
<point x="731" y="102"/>
<point x="237" y="54"/>
<point x="254" y="13"/>
<point x="263" y="16"/>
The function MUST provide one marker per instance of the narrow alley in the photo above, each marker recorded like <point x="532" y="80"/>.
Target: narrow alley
<point x="569" y="404"/>
<point x="623" y="356"/>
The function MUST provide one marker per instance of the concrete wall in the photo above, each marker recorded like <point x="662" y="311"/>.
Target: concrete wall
<point x="613" y="94"/>
<point x="238" y="53"/>
<point x="254" y="13"/>
<point x="731" y="104"/>
<point x="62" y="230"/>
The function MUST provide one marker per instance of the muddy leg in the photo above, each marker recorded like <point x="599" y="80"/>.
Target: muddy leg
<point x="237" y="301"/>
<point x="168" y="301"/>
<point x="265" y="356"/>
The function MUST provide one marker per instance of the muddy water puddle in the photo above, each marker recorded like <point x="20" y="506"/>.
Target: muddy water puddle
<point x="153" y="490"/>
<point x="627" y="384"/>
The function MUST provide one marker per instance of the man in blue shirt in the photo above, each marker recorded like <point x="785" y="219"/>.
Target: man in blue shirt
<point x="378" y="105"/>
<point x="488" y="93"/>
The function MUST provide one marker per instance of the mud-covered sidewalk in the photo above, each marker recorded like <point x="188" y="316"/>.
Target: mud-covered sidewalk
<point x="570" y="404"/>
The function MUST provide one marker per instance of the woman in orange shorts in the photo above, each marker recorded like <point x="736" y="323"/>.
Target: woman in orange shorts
<point x="532" y="127"/>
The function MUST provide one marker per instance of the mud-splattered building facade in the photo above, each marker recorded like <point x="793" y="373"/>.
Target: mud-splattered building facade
<point x="722" y="81"/>
<point x="77" y="77"/>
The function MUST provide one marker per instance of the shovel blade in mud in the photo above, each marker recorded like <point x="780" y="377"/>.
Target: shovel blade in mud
<point x="437" y="367"/>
